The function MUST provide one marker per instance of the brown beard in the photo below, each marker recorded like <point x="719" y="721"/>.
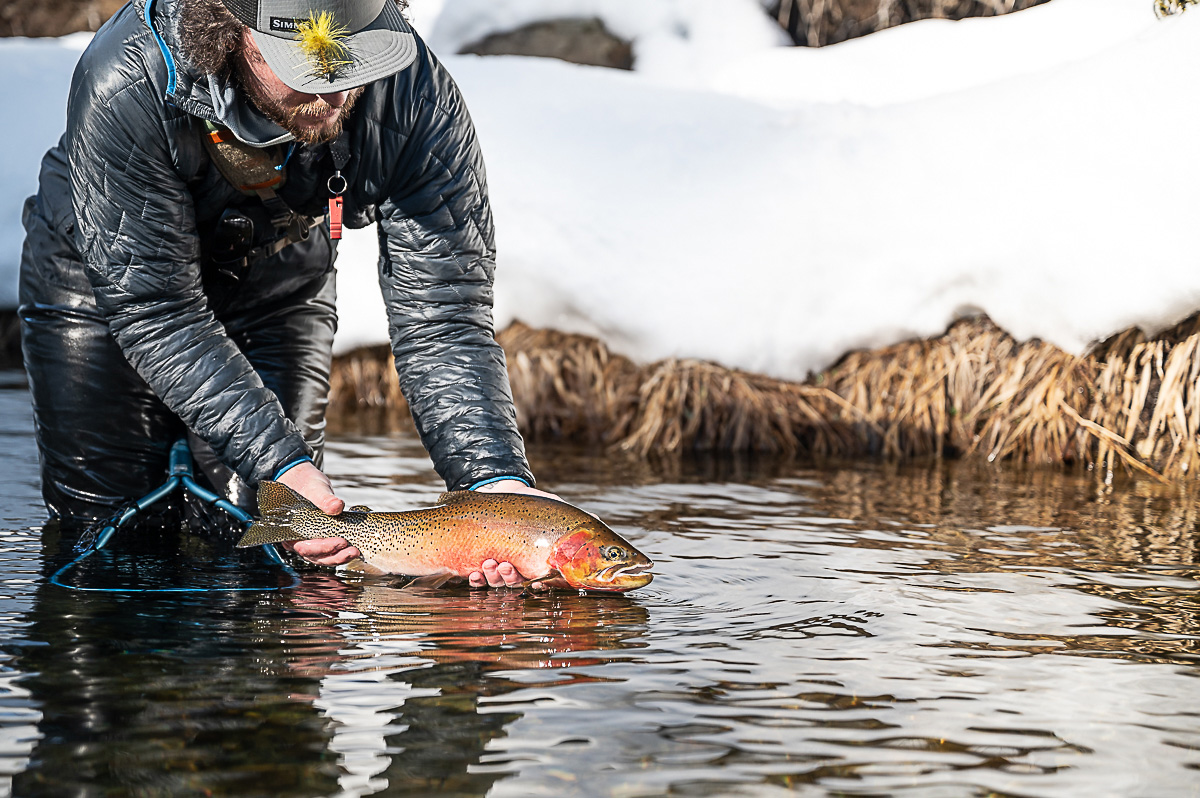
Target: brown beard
<point x="287" y="116"/>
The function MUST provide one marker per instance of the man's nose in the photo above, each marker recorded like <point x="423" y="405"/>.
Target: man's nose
<point x="336" y="100"/>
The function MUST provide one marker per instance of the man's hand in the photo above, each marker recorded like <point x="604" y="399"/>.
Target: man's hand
<point x="512" y="486"/>
<point x="496" y="574"/>
<point x="308" y="480"/>
<point x="503" y="574"/>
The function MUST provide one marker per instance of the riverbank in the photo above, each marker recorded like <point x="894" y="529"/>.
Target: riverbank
<point x="774" y="208"/>
<point x="976" y="392"/>
<point x="1130" y="403"/>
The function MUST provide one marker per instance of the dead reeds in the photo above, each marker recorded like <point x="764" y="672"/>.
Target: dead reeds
<point x="972" y="392"/>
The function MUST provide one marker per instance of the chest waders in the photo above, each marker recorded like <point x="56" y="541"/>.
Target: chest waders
<point x="236" y="244"/>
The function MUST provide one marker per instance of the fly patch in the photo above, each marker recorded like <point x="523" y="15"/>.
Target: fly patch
<point x="285" y="24"/>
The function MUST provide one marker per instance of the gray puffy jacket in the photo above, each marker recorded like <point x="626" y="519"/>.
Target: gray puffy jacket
<point x="131" y="187"/>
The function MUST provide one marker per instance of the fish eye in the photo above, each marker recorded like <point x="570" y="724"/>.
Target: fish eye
<point x="613" y="552"/>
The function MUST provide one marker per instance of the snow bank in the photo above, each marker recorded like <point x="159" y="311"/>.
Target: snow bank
<point x="771" y="232"/>
<point x="689" y="223"/>
<point x="37" y="74"/>
<point x="731" y="46"/>
<point x="674" y="41"/>
<point x="935" y="56"/>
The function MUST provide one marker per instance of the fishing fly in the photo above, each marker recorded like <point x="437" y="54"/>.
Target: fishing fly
<point x="322" y="41"/>
<point x="1165" y="8"/>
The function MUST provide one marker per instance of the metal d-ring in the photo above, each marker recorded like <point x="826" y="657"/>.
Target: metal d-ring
<point x="337" y="192"/>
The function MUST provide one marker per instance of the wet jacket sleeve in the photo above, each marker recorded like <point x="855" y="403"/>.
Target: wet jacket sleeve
<point x="136" y="233"/>
<point x="437" y="264"/>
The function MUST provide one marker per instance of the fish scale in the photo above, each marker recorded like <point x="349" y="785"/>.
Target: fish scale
<point x="544" y="539"/>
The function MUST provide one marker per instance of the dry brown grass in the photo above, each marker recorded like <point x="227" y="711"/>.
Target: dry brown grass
<point x="40" y="18"/>
<point x="972" y="392"/>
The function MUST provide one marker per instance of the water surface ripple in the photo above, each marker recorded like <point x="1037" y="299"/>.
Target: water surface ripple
<point x="945" y="630"/>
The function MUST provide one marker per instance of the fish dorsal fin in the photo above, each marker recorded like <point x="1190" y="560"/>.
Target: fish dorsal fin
<point x="359" y="508"/>
<point x="274" y="496"/>
<point x="455" y="496"/>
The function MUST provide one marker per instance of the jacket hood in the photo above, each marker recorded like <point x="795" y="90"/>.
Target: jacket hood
<point x="207" y="96"/>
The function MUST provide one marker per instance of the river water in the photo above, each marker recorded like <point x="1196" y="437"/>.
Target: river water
<point x="851" y="630"/>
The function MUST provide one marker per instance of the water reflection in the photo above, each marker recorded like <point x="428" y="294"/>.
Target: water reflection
<point x="331" y="688"/>
<point x="405" y="685"/>
<point x="183" y="695"/>
<point x="853" y="629"/>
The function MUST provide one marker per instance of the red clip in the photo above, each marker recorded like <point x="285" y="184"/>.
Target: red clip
<point x="335" y="218"/>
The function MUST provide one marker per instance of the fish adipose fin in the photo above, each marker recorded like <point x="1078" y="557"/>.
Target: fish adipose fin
<point x="277" y="503"/>
<point x="359" y="508"/>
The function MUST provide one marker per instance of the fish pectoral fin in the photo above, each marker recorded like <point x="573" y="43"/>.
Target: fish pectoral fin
<point x="361" y="566"/>
<point x="432" y="580"/>
<point x="359" y="508"/>
<point x="542" y="582"/>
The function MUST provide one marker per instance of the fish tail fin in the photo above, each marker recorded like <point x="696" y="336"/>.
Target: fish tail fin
<point x="275" y="528"/>
<point x="278" y="503"/>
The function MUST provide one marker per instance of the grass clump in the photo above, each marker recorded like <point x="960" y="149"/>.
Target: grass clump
<point x="973" y="392"/>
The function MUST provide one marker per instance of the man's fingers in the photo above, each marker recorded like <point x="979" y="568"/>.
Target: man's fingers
<point x="308" y="480"/>
<point x="342" y="557"/>
<point x="510" y="575"/>
<point x="319" y="547"/>
<point x="496" y="574"/>
<point x="493" y="576"/>
<point x="324" y="551"/>
<point x="331" y="505"/>
<point x="516" y="486"/>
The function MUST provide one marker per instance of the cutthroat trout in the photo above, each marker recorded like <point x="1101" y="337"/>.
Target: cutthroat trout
<point x="549" y="542"/>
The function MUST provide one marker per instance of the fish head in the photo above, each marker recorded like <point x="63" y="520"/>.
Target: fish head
<point x="593" y="557"/>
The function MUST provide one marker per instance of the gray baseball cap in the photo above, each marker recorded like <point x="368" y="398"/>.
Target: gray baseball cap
<point x="377" y="40"/>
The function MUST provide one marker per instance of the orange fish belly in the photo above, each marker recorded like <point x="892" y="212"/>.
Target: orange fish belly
<point x="460" y="546"/>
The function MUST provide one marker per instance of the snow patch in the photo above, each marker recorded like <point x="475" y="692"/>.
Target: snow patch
<point x="772" y="226"/>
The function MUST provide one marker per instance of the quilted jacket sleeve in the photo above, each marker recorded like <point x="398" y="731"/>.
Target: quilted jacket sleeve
<point x="136" y="234"/>
<point x="437" y="265"/>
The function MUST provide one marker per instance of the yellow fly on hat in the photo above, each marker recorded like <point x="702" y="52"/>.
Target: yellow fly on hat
<point x="324" y="46"/>
<point x="1165" y="8"/>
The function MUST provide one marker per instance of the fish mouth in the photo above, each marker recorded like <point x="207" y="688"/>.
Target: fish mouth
<point x="624" y="577"/>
